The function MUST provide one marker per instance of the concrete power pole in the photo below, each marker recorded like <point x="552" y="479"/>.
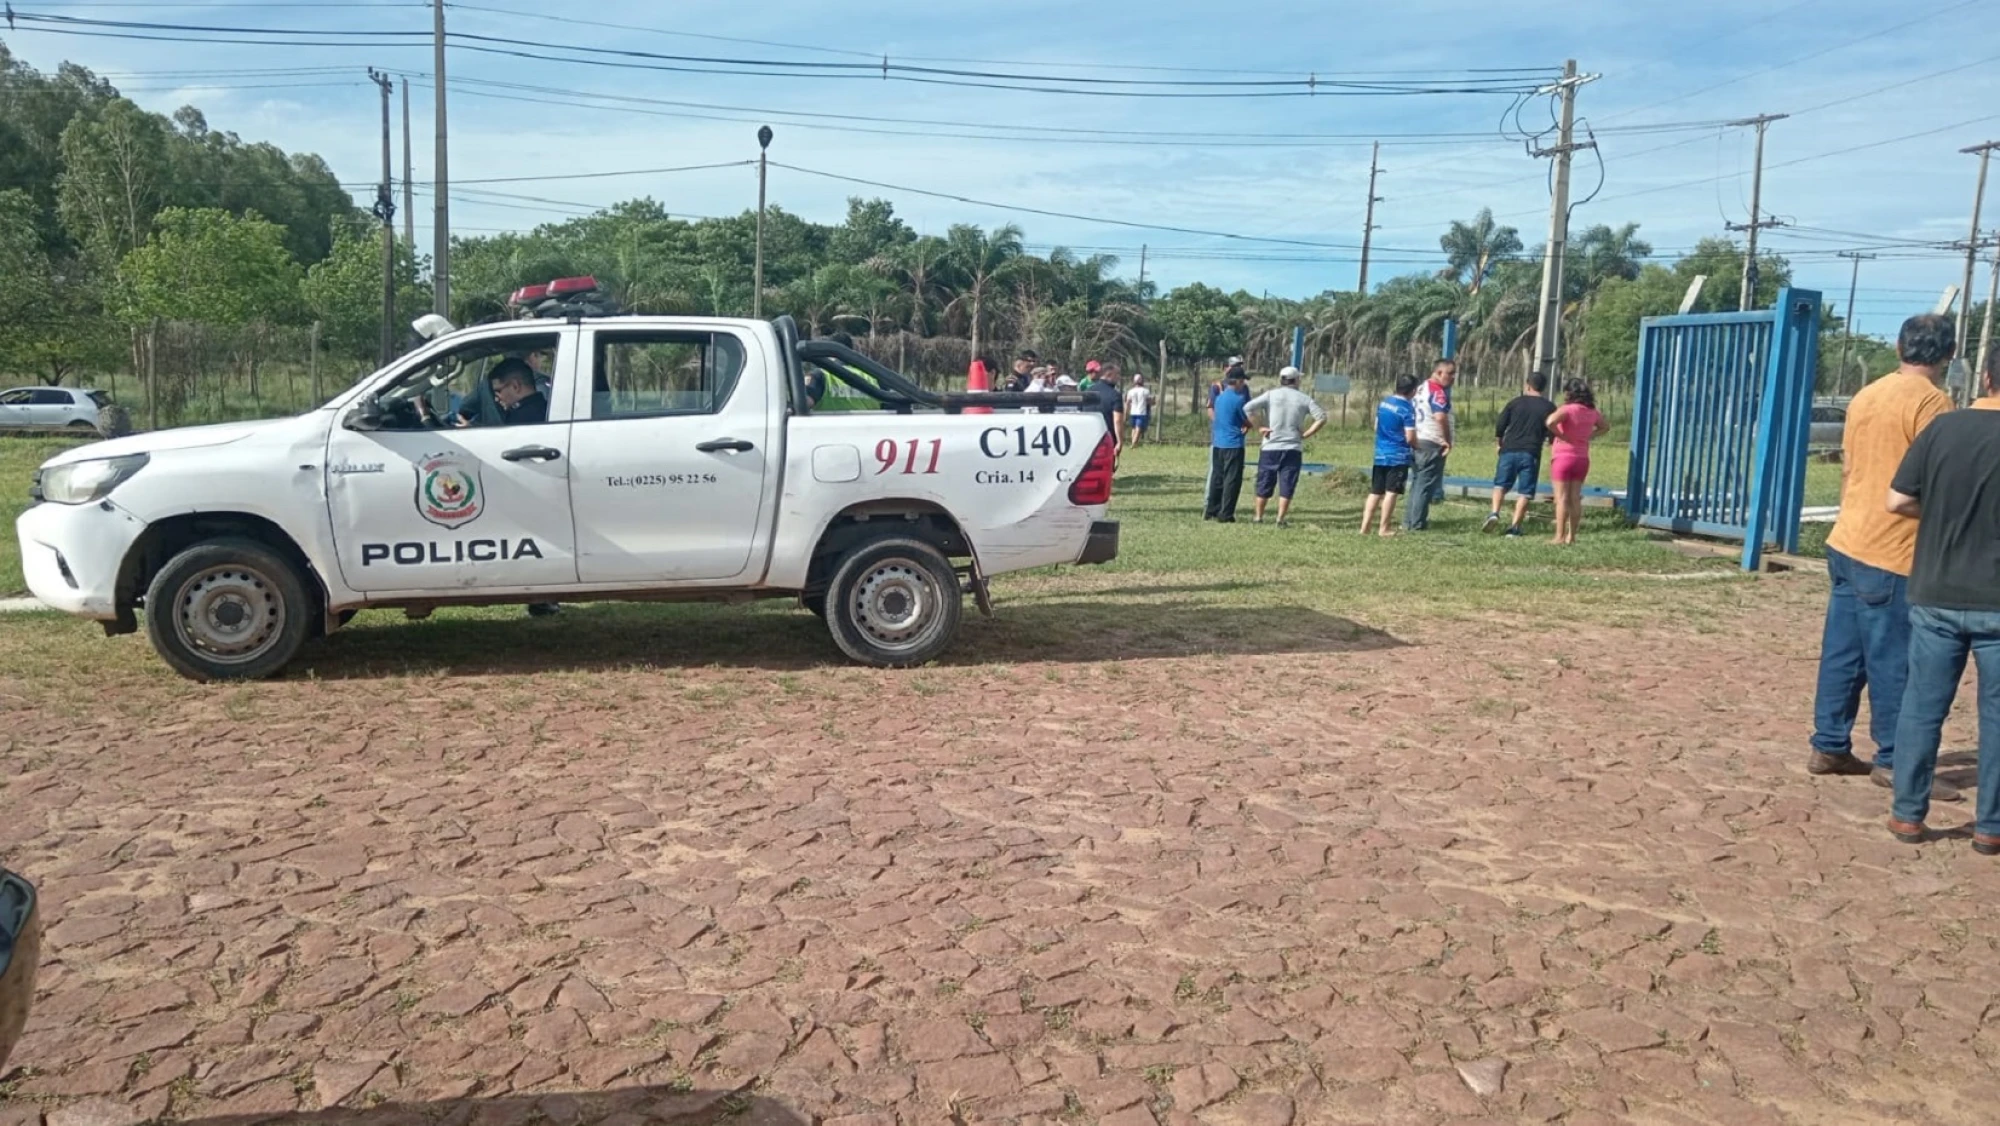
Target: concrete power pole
<point x="1985" y="154"/>
<point x="441" y="182"/>
<point x="1368" y="224"/>
<point x="385" y="209"/>
<point x="1986" y="322"/>
<point x="1847" y="338"/>
<point x="409" y="198"/>
<point x="1748" y="297"/>
<point x="1548" y="324"/>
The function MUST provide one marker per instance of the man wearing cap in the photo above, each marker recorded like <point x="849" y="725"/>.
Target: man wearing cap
<point x="1235" y="369"/>
<point x="1090" y="373"/>
<point x="1225" y="453"/>
<point x="1024" y="370"/>
<point x="1286" y="408"/>
<point x="1139" y="407"/>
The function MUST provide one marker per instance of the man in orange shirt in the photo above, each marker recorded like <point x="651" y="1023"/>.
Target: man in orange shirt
<point x="1868" y="556"/>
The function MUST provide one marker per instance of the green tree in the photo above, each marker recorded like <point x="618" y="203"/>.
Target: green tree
<point x="114" y="168"/>
<point x="984" y="261"/>
<point x="343" y="292"/>
<point x="55" y="320"/>
<point x="213" y="267"/>
<point x="1473" y="248"/>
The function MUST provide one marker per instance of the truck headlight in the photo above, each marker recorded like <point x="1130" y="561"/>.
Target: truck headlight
<point x="86" y="482"/>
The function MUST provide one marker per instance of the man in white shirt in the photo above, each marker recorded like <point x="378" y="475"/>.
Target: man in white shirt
<point x="1286" y="408"/>
<point x="1138" y="407"/>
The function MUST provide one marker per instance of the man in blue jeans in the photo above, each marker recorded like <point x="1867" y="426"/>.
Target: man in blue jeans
<point x="1866" y="644"/>
<point x="1950" y="482"/>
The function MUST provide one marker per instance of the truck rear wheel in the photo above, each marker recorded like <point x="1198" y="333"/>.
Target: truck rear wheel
<point x="893" y="602"/>
<point x="228" y="609"/>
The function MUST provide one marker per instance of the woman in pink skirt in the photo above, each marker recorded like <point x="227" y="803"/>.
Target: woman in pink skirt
<point x="1573" y="425"/>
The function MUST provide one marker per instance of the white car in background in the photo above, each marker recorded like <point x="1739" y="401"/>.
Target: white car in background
<point x="51" y="408"/>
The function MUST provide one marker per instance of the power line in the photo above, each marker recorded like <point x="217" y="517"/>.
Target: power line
<point x="1311" y="85"/>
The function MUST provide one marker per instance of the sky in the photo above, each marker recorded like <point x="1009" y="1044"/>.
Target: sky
<point x="1882" y="97"/>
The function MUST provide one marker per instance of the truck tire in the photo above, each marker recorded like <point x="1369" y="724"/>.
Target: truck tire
<point x="894" y="603"/>
<point x="228" y="609"/>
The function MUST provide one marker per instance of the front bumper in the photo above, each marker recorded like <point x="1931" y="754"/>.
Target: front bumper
<point x="71" y="554"/>
<point x="1102" y="546"/>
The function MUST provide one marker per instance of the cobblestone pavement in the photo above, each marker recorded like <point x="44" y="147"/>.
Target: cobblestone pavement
<point x="1468" y="873"/>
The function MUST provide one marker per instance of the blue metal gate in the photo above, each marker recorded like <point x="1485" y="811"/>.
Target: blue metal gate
<point x="1720" y="418"/>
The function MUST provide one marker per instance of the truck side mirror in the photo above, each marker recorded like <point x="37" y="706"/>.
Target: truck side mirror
<point x="366" y="415"/>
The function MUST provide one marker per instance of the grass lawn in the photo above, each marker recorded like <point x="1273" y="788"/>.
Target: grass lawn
<point x="1179" y="587"/>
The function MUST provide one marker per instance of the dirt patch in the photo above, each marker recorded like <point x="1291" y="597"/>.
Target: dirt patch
<point x="1305" y="886"/>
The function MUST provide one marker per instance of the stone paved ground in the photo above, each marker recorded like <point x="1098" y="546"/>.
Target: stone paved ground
<point x="1462" y="874"/>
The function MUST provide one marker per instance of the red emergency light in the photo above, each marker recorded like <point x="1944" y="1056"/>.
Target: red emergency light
<point x="528" y="293"/>
<point x="566" y="287"/>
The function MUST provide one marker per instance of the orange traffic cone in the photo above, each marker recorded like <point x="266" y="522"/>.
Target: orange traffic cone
<point x="976" y="383"/>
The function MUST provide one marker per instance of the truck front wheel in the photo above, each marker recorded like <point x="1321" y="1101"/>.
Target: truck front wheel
<point x="893" y="602"/>
<point x="228" y="609"/>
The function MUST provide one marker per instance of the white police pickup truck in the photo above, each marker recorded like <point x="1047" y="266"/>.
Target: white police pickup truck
<point x="674" y="458"/>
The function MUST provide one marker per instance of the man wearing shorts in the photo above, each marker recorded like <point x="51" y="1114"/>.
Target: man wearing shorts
<point x="1286" y="408"/>
<point x="1395" y="448"/>
<point x="1139" y="406"/>
<point x="1522" y="430"/>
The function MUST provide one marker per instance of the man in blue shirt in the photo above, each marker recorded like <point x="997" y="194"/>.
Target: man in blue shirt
<point x="1225" y="454"/>
<point x="1395" y="449"/>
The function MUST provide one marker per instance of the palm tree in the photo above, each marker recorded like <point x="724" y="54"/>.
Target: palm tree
<point x="1474" y="248"/>
<point x="984" y="261"/>
<point x="921" y="269"/>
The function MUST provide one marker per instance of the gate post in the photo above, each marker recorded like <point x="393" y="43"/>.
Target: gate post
<point x="1781" y="445"/>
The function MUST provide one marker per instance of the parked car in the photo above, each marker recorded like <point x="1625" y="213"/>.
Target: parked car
<point x="20" y="953"/>
<point x="51" y="408"/>
<point x="672" y="458"/>
<point x="1829" y="423"/>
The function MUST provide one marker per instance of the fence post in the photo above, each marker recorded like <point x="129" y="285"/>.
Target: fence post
<point x="312" y="364"/>
<point x="153" y="375"/>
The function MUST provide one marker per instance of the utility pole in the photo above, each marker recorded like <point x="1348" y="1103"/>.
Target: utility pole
<point x="1847" y="338"/>
<point x="1747" y="300"/>
<point x="1142" y="267"/>
<point x="1368" y="224"/>
<point x="1986" y="322"/>
<point x="385" y="209"/>
<point x="1985" y="154"/>
<point x="409" y="199"/>
<point x="441" y="178"/>
<point x="763" y="162"/>
<point x="1548" y="324"/>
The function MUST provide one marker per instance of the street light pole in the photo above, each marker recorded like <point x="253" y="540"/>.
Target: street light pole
<point x="757" y="284"/>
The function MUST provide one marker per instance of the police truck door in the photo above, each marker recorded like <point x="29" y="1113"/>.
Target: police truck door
<point x="675" y="436"/>
<point x="481" y="507"/>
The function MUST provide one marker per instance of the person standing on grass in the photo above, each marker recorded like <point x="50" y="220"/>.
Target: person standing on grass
<point x="1950" y="483"/>
<point x="1572" y="425"/>
<point x="1866" y="640"/>
<point x="1283" y="454"/>
<point x="1111" y="404"/>
<point x="1435" y="434"/>
<point x="1138" y="407"/>
<point x="1522" y="431"/>
<point x="1395" y="448"/>
<point x="1225" y="454"/>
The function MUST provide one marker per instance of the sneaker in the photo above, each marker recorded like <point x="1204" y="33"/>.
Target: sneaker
<point x="1821" y="763"/>
<point x="1492" y="522"/>
<point x="1515" y="531"/>
<point x="1940" y="790"/>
